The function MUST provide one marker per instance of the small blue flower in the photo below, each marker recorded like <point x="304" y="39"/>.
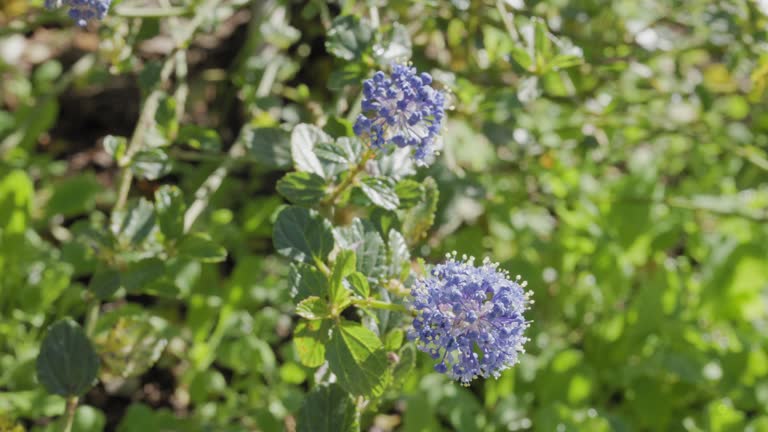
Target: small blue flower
<point x="82" y="11"/>
<point x="470" y="318"/>
<point x="402" y="109"/>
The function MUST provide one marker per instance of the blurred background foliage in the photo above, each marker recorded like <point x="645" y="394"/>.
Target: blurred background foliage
<point x="614" y="153"/>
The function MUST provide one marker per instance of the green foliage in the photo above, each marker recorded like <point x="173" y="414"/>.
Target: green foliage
<point x="67" y="364"/>
<point x="190" y="170"/>
<point x="328" y="409"/>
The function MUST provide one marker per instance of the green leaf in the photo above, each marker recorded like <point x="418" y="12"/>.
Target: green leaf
<point x="170" y="208"/>
<point x="141" y="274"/>
<point x="331" y="152"/>
<point x="344" y="150"/>
<point x="73" y="196"/>
<point x="302" y="188"/>
<point x="368" y="246"/>
<point x="347" y="74"/>
<point x="200" y="138"/>
<point x="406" y="363"/>
<point x="67" y="364"/>
<point x="356" y="356"/>
<point x="149" y="77"/>
<point x="104" y="283"/>
<point x="394" y="339"/>
<point x="419" y="219"/>
<point x="270" y="146"/>
<point x="302" y="235"/>
<point x="313" y="308"/>
<point x="342" y="267"/>
<point x="16" y="195"/>
<point x="396" y="47"/>
<point x="310" y="338"/>
<point x="348" y="37"/>
<point x="306" y="280"/>
<point x="134" y="224"/>
<point x="381" y="192"/>
<point x="151" y="164"/>
<point x="409" y="192"/>
<point x="359" y="284"/>
<point x="115" y="146"/>
<point x="200" y="247"/>
<point x="304" y="138"/>
<point x="328" y="409"/>
<point x="399" y="255"/>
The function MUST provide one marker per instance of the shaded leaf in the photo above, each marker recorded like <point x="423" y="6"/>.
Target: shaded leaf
<point x="328" y="409"/>
<point x="104" y="283"/>
<point x="270" y="146"/>
<point x="303" y="140"/>
<point x="419" y="219"/>
<point x="303" y="188"/>
<point x="200" y="247"/>
<point x="306" y="280"/>
<point x="67" y="364"/>
<point x="348" y="37"/>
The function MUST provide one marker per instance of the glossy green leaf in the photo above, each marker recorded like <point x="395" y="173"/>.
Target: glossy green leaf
<point x="306" y="280"/>
<point x="381" y="192"/>
<point x="151" y="164"/>
<point x="357" y="358"/>
<point x="409" y="193"/>
<point x="343" y="266"/>
<point x="368" y="246"/>
<point x="170" y="208"/>
<point x="304" y="137"/>
<point x="134" y="224"/>
<point x="302" y="235"/>
<point x="313" y="308"/>
<point x="302" y="188"/>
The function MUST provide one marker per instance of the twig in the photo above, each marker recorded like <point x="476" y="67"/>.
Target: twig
<point x="238" y="150"/>
<point x="211" y="185"/>
<point x="350" y="179"/>
<point x="378" y="304"/>
<point x="509" y="22"/>
<point x="150" y="106"/>
<point x="70" y="413"/>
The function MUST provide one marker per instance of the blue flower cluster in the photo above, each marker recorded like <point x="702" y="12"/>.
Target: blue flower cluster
<point x="402" y="109"/>
<point x="470" y="318"/>
<point x="82" y="11"/>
